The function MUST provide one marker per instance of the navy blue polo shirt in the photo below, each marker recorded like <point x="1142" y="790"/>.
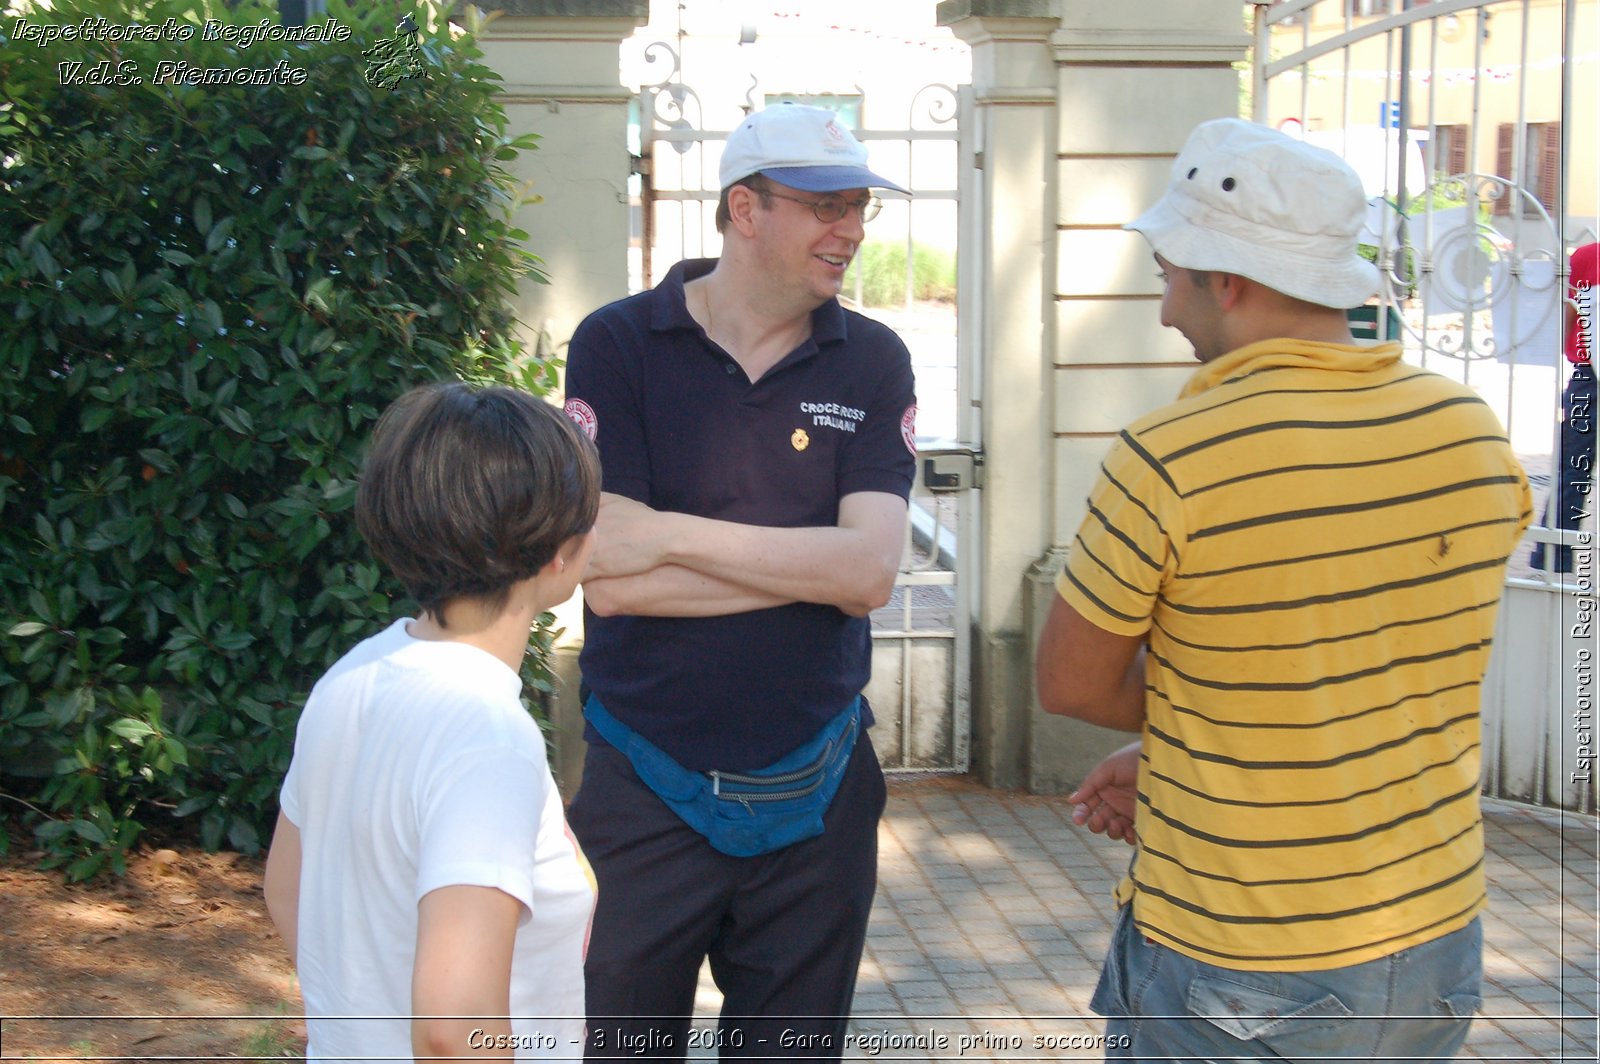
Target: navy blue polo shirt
<point x="680" y="427"/>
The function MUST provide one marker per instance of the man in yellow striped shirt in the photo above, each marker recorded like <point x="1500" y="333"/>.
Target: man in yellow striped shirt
<point x="1287" y="583"/>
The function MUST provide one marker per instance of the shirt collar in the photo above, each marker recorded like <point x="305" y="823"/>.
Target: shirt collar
<point x="1287" y="353"/>
<point x="670" y="308"/>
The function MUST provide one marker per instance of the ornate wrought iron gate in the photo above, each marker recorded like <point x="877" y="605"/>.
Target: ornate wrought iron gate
<point x="1457" y="115"/>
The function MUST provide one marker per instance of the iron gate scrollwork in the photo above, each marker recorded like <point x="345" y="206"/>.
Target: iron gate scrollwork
<point x="1456" y="113"/>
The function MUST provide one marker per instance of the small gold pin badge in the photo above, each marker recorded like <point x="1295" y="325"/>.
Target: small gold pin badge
<point x="800" y="440"/>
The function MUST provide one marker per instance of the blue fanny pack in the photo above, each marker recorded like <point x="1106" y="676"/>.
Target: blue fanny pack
<point x="743" y="814"/>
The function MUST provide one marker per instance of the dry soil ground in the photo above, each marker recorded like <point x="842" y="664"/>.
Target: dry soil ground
<point x="175" y="959"/>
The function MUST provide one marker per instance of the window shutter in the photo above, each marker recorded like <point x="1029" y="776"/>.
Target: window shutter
<point x="1549" y="168"/>
<point x="1458" y="150"/>
<point x="1505" y="137"/>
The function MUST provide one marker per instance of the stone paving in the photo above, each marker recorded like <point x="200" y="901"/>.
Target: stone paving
<point x="994" y="911"/>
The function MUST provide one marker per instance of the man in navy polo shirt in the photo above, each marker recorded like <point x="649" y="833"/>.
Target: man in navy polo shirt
<point x="757" y="443"/>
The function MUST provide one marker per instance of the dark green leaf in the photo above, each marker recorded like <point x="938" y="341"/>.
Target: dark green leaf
<point x="135" y="731"/>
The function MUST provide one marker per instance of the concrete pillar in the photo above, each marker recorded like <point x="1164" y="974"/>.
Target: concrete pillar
<point x="1077" y="109"/>
<point x="560" y="61"/>
<point x="1008" y="237"/>
<point x="1134" y="80"/>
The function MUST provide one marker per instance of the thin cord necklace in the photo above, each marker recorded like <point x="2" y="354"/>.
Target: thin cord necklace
<point x="711" y="321"/>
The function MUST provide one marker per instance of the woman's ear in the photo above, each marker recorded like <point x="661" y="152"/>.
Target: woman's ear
<point x="576" y="550"/>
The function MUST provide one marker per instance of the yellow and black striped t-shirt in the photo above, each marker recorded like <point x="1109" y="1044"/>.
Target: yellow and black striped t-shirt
<point x="1315" y="538"/>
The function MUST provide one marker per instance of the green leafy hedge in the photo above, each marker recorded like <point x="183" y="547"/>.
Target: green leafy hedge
<point x="208" y="294"/>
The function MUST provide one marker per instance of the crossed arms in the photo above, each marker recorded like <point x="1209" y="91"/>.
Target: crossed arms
<point x="657" y="563"/>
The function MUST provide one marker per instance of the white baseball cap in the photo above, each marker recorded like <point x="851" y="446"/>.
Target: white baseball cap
<point x="1248" y="200"/>
<point x="807" y="148"/>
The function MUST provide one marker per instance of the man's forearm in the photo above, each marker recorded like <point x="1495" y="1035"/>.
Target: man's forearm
<point x="850" y="565"/>
<point x="673" y="591"/>
<point x="838" y="566"/>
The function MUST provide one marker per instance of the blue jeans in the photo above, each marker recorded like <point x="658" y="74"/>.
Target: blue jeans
<point x="1413" y="1005"/>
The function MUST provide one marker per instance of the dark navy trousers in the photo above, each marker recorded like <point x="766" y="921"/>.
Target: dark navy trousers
<point x="784" y="930"/>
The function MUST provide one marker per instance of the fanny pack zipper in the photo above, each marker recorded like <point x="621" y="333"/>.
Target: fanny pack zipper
<point x="816" y="768"/>
<point x="744" y="798"/>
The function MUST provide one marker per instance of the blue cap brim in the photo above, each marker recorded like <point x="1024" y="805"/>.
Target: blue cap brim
<point x="830" y="178"/>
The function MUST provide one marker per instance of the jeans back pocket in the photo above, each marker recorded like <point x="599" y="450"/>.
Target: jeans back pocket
<point x="1249" y="1012"/>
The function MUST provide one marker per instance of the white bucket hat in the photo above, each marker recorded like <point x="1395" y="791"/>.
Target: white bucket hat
<point x="803" y="147"/>
<point x="1248" y="200"/>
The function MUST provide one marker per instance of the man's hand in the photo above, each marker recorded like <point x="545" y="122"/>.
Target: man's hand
<point x="1108" y="797"/>
<point x="631" y="538"/>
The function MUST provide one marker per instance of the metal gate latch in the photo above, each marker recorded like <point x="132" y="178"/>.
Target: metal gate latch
<point x="948" y="469"/>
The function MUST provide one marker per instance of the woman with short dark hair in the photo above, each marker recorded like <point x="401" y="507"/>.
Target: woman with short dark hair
<point x="422" y="873"/>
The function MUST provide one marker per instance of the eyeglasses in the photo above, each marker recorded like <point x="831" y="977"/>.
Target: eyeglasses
<point x="832" y="208"/>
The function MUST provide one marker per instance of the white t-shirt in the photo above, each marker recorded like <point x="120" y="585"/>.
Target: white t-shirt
<point x="415" y="767"/>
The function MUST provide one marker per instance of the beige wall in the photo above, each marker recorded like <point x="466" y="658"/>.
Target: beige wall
<point x="562" y="82"/>
<point x="1133" y="81"/>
